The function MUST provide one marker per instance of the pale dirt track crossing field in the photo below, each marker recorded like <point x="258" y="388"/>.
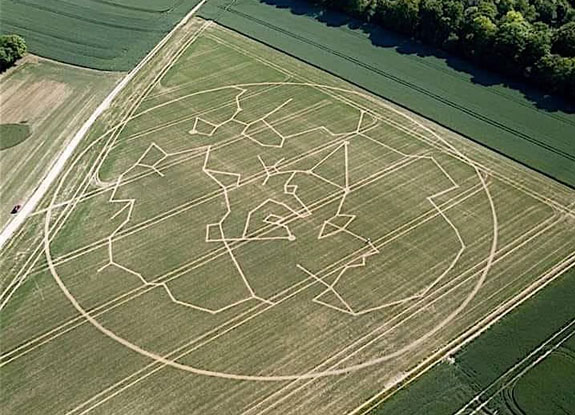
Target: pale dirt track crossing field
<point x="255" y="236"/>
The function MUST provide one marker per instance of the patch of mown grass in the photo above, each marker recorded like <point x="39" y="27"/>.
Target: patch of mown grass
<point x="13" y="134"/>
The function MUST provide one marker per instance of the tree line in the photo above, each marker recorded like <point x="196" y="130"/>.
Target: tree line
<point x="12" y="48"/>
<point x="531" y="39"/>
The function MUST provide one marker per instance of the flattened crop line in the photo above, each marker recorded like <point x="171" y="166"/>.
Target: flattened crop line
<point x="217" y="193"/>
<point x="408" y="84"/>
<point x="114" y="131"/>
<point x="517" y="185"/>
<point x="500" y="93"/>
<point x="393" y="123"/>
<point x="185" y="85"/>
<point x="155" y="129"/>
<point x="36" y="254"/>
<point x="182" y="208"/>
<point x="175" y="354"/>
<point x="59" y="164"/>
<point x="107" y="187"/>
<point x="295" y="159"/>
<point x="190" y="155"/>
<point x="34" y="257"/>
<point x="217" y="252"/>
<point x="503" y="249"/>
<point x="220" y="107"/>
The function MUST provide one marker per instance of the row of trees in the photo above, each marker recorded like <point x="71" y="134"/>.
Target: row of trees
<point x="12" y="48"/>
<point x="533" y="39"/>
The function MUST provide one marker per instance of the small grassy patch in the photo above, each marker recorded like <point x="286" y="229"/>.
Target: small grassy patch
<point x="13" y="134"/>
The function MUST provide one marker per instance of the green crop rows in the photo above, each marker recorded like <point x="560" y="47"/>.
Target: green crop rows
<point x="503" y="365"/>
<point x="101" y="34"/>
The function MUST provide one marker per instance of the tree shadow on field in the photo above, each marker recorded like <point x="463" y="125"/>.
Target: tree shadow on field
<point x="462" y="68"/>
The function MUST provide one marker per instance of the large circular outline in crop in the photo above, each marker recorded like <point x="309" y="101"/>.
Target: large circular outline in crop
<point x="309" y="375"/>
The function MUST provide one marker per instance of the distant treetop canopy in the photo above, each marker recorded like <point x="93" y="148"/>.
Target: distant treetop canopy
<point x="12" y="48"/>
<point x="531" y="39"/>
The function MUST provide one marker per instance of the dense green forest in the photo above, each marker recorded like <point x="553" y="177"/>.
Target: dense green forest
<point x="532" y="39"/>
<point x="12" y="48"/>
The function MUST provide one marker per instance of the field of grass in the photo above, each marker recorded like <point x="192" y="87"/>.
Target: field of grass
<point x="255" y="236"/>
<point x="111" y="35"/>
<point x="43" y="104"/>
<point x="531" y="129"/>
<point x="547" y="387"/>
<point x="13" y="134"/>
<point x="525" y="364"/>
